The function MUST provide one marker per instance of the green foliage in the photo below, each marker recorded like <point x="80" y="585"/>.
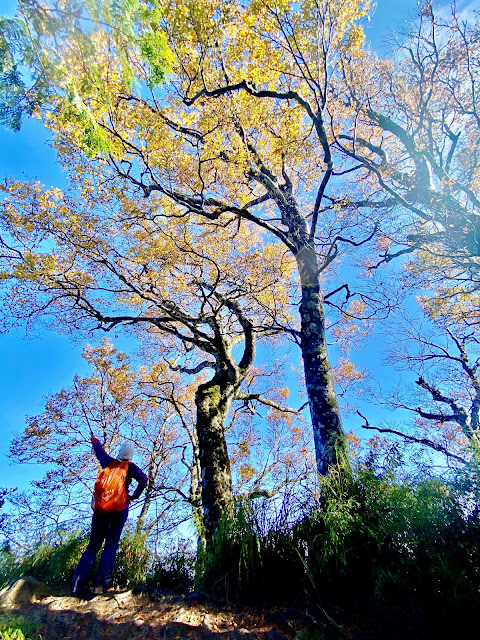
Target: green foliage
<point x="31" y="62"/>
<point x="232" y="558"/>
<point x="378" y="542"/>
<point x="13" y="45"/>
<point x="24" y="83"/>
<point x="247" y="557"/>
<point x="132" y="560"/>
<point x="404" y="549"/>
<point x="94" y="140"/>
<point x="14" y="627"/>
<point x="174" y="569"/>
<point x="52" y="563"/>
<point x="155" y="51"/>
<point x="9" y="569"/>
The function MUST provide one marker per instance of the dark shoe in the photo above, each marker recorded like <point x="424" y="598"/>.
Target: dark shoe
<point x="82" y="594"/>
<point x="104" y="590"/>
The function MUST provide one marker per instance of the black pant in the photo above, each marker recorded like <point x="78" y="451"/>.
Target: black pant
<point x="106" y="526"/>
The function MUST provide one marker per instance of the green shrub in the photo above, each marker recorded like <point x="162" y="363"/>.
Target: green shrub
<point x="9" y="566"/>
<point x="250" y="556"/>
<point x="405" y="549"/>
<point x="174" y="569"/>
<point x="132" y="560"/>
<point x="13" y="627"/>
<point x="233" y="558"/>
<point x="52" y="563"/>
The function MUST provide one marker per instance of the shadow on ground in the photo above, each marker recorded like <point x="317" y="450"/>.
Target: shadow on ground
<point x="146" y="615"/>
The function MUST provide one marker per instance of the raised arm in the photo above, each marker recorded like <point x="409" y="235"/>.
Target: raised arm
<point x="102" y="455"/>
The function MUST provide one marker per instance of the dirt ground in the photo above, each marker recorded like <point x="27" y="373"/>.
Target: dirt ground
<point x="142" y="614"/>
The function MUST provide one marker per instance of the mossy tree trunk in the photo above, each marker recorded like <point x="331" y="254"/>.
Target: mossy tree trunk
<point x="195" y="495"/>
<point x="328" y="433"/>
<point x="211" y="475"/>
<point x="329" y="438"/>
<point x="213" y="400"/>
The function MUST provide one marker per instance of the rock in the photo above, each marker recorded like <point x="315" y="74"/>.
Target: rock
<point x="196" y="597"/>
<point x="274" y="635"/>
<point x="23" y="590"/>
<point x="123" y="599"/>
<point x="277" y="618"/>
<point x="209" y="622"/>
<point x="310" y="632"/>
<point x="243" y="634"/>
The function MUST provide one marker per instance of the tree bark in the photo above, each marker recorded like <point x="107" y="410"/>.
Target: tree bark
<point x="143" y="514"/>
<point x="329" y="438"/>
<point x="148" y="500"/>
<point x="213" y="400"/>
<point x="196" y="493"/>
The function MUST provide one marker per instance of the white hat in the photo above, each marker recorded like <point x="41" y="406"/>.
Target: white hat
<point x="126" y="451"/>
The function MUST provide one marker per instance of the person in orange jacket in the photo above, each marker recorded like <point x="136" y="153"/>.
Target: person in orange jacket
<point x="109" y="517"/>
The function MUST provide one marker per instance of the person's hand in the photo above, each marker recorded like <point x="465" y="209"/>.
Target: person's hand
<point x="93" y="439"/>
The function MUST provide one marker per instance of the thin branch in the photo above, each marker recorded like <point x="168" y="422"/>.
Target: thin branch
<point x="409" y="438"/>
<point x="269" y="403"/>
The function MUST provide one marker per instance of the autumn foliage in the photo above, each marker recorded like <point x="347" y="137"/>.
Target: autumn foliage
<point x="254" y="201"/>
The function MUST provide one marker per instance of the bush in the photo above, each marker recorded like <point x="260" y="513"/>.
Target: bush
<point x="13" y="627"/>
<point x="233" y="561"/>
<point x="9" y="569"/>
<point x="250" y="556"/>
<point x="132" y="560"/>
<point x="174" y="569"/>
<point x="54" y="564"/>
<point x="406" y="550"/>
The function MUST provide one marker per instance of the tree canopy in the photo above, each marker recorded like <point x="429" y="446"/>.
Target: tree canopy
<point x="244" y="172"/>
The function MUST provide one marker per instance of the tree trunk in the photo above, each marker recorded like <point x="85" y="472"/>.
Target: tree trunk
<point x="143" y="514"/>
<point x="328" y="435"/>
<point x="213" y="400"/>
<point x="195" y="496"/>
<point x="146" y="504"/>
<point x="329" y="438"/>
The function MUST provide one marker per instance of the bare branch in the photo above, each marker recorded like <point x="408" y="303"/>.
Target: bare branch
<point x="409" y="438"/>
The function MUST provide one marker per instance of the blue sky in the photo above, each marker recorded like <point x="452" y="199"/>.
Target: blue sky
<point x="34" y="367"/>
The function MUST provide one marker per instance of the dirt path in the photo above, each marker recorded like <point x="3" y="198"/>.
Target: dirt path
<point x="150" y="615"/>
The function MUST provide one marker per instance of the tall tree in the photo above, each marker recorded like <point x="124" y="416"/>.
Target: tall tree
<point x="413" y="150"/>
<point x="239" y="129"/>
<point x="89" y="262"/>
